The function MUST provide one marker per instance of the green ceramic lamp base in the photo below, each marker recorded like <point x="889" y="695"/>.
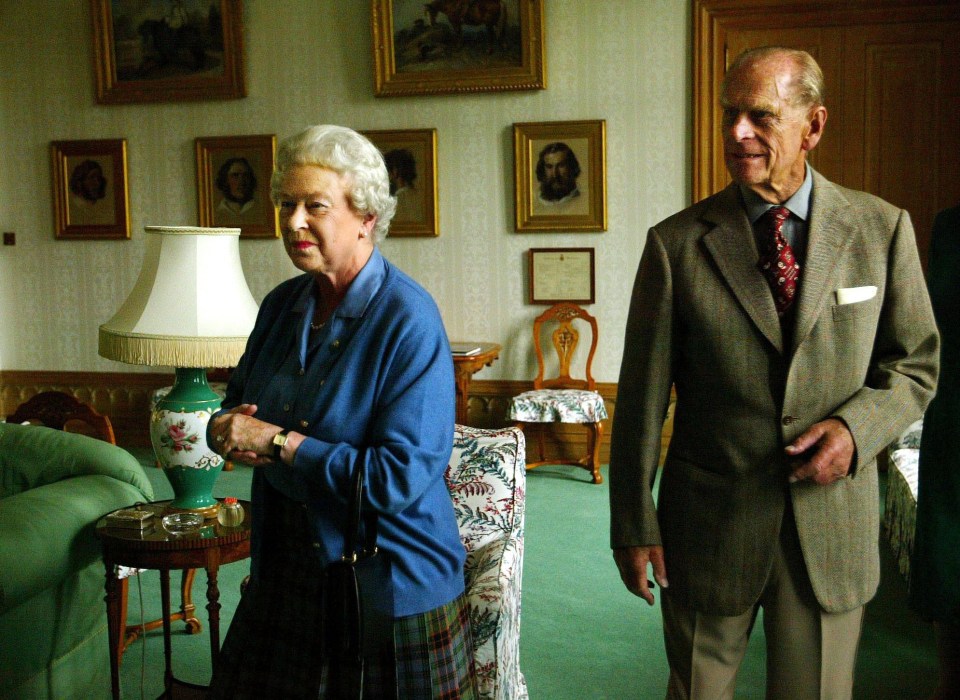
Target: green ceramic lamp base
<point x="178" y="428"/>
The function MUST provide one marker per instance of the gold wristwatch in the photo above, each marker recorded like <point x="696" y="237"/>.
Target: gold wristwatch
<point x="279" y="440"/>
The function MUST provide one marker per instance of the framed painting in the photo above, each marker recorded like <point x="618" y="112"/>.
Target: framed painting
<point x="167" y="51"/>
<point x="411" y="157"/>
<point x="560" y="175"/>
<point x="90" y="196"/>
<point x="561" y="274"/>
<point x="233" y="184"/>
<point x="451" y="46"/>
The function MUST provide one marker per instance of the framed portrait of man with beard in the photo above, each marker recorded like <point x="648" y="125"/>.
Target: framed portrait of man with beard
<point x="560" y="174"/>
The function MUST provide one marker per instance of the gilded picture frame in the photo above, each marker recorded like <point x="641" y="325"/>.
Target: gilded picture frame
<point x="411" y="157"/>
<point x="91" y="199"/>
<point x="456" y="46"/>
<point x="560" y="176"/>
<point x="233" y="184"/>
<point x="156" y="51"/>
<point x="561" y="274"/>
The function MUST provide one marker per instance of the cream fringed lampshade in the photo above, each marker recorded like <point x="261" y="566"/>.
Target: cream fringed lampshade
<point x="190" y="307"/>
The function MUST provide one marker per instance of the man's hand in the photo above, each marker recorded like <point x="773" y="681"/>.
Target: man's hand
<point x="238" y="436"/>
<point x="632" y="563"/>
<point x="823" y="454"/>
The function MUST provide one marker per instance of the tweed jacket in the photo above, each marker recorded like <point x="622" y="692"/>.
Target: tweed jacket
<point x="702" y="319"/>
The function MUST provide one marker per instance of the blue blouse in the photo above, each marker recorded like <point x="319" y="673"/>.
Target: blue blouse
<point x="374" y="390"/>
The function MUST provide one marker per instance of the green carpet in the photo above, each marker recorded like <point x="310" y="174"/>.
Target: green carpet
<point x="583" y="636"/>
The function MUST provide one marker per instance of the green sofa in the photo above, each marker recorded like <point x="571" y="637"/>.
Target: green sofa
<point x="54" y="486"/>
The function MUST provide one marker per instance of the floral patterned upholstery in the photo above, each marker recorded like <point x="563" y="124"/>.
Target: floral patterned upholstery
<point x="558" y="406"/>
<point x="900" y="504"/>
<point x="487" y="481"/>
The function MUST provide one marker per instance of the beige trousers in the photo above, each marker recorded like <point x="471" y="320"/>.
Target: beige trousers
<point x="811" y="654"/>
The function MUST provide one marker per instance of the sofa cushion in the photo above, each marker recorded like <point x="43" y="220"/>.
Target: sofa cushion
<point x="25" y="459"/>
<point x="55" y="486"/>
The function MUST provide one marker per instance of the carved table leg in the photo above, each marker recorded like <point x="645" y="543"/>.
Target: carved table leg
<point x="113" y="625"/>
<point x="213" y="603"/>
<point x="165" y="612"/>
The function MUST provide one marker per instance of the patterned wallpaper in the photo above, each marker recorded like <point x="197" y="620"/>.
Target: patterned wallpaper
<point x="310" y="61"/>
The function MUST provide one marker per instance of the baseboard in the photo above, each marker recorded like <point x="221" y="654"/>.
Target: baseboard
<point x="125" y="398"/>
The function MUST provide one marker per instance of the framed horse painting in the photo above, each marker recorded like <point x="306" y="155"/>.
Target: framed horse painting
<point x="451" y="46"/>
<point x="168" y="50"/>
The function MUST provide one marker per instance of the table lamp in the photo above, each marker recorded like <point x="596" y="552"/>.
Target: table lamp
<point x="190" y="309"/>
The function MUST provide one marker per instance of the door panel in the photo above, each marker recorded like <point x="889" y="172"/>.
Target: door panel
<point x="823" y="43"/>
<point x="893" y="94"/>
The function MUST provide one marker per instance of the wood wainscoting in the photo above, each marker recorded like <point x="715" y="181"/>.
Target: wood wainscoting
<point x="122" y="396"/>
<point x="125" y="398"/>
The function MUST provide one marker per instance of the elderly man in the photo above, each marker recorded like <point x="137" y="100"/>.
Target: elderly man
<point x="792" y="318"/>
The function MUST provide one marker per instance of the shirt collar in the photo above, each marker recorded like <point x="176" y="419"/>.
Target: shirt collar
<point x="798" y="203"/>
<point x="364" y="286"/>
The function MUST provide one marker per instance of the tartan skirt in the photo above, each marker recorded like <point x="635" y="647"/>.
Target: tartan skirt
<point x="274" y="647"/>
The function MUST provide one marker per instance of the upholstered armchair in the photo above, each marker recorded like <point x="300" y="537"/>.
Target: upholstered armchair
<point x="487" y="481"/>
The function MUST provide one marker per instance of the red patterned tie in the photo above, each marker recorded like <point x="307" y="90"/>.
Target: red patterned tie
<point x="778" y="263"/>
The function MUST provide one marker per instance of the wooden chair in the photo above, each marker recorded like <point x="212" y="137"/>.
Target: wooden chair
<point x="61" y="411"/>
<point x="55" y="409"/>
<point x="564" y="398"/>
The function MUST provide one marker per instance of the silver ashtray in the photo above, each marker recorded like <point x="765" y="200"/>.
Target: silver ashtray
<point x="182" y="523"/>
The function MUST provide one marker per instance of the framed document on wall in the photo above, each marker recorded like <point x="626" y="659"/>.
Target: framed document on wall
<point x="561" y="274"/>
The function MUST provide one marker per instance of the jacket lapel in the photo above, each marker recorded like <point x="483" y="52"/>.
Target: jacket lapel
<point x="828" y="234"/>
<point x="731" y="244"/>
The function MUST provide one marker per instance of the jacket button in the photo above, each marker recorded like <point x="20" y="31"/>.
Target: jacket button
<point x="301" y="371"/>
<point x="788" y="420"/>
<point x="304" y="424"/>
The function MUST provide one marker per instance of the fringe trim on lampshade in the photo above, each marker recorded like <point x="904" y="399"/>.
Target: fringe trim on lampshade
<point x="171" y="351"/>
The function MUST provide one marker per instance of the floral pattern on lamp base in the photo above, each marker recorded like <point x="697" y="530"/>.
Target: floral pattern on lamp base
<point x="178" y="428"/>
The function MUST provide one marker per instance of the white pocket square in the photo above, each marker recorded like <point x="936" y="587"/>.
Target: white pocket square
<point x="852" y="295"/>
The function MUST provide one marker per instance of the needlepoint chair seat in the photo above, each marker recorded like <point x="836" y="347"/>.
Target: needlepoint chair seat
<point x="564" y="398"/>
<point x="558" y="406"/>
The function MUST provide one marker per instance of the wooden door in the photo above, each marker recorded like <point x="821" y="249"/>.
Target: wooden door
<point x="893" y="93"/>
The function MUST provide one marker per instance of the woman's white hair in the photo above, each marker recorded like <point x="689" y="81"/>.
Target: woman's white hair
<point x="350" y="155"/>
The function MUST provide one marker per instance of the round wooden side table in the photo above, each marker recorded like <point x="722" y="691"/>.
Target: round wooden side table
<point x="155" y="548"/>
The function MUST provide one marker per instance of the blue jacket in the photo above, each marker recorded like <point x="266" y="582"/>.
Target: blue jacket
<point x="375" y="391"/>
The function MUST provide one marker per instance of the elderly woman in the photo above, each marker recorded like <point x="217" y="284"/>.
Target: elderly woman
<point x="348" y="368"/>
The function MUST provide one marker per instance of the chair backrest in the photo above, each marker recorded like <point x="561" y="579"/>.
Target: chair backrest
<point x="565" y="339"/>
<point x="61" y="411"/>
<point x="487" y="481"/>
